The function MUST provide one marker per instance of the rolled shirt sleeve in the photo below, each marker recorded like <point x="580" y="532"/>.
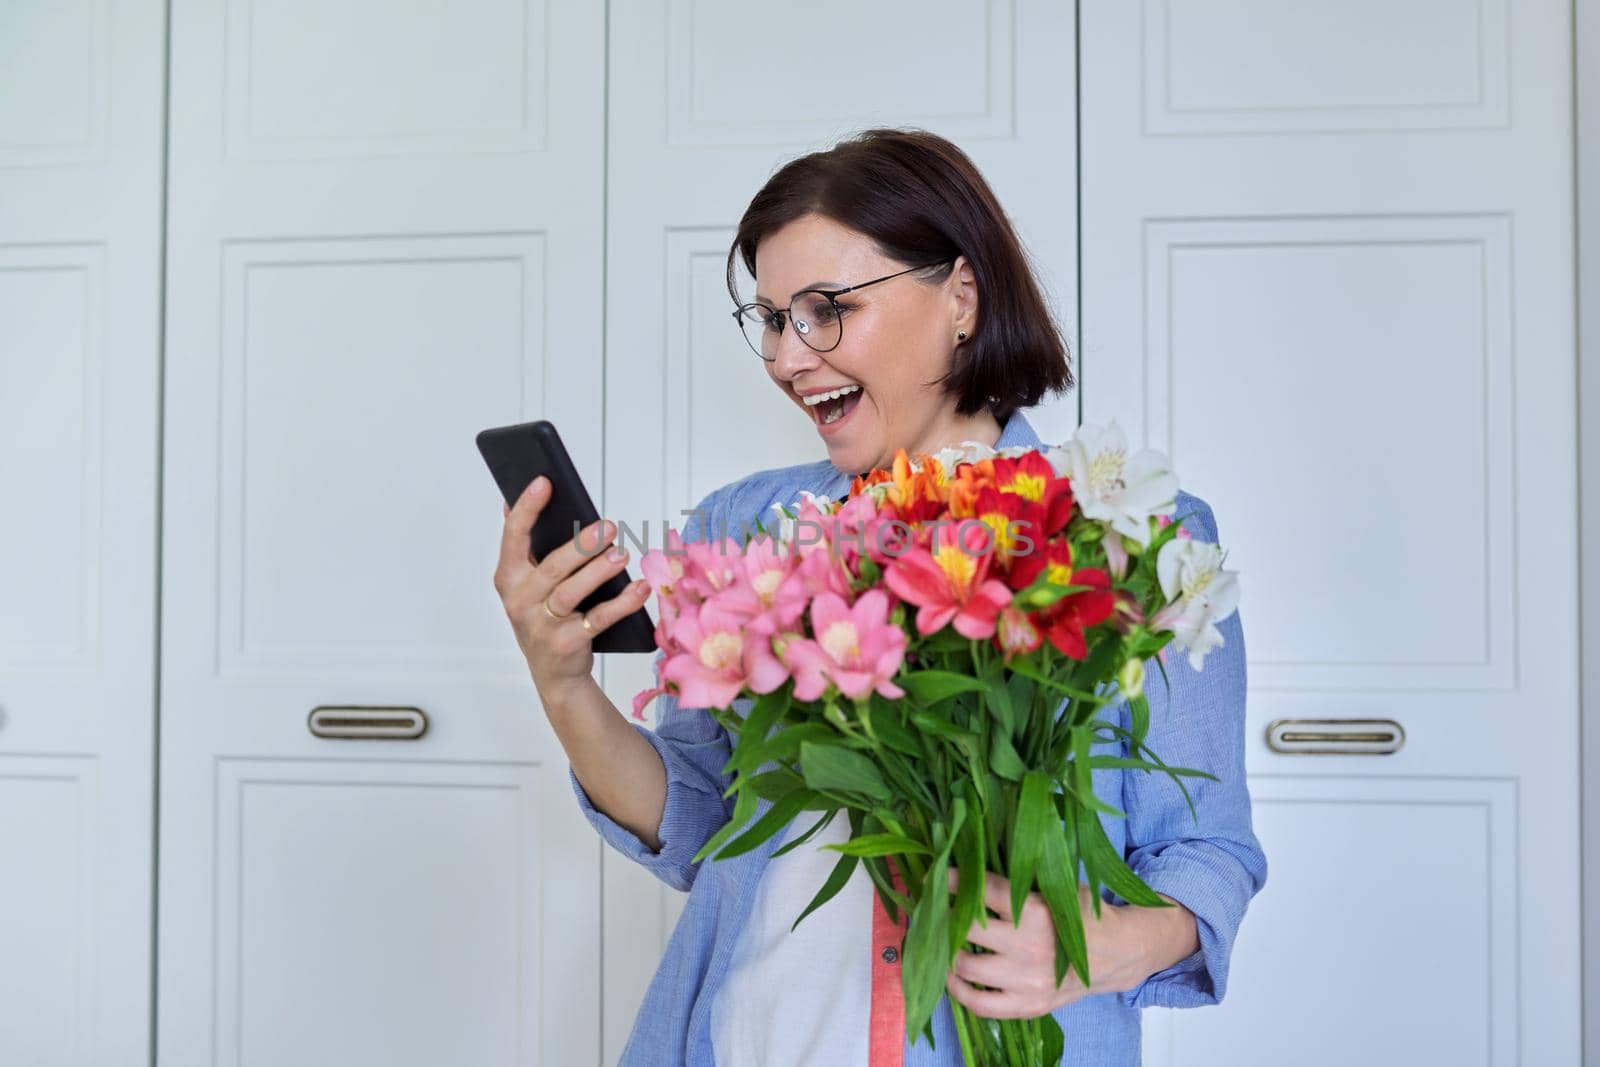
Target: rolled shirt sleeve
<point x="1215" y="865"/>
<point x="694" y="747"/>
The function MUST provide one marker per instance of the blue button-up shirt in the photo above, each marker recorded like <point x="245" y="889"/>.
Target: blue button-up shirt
<point x="1213" y="867"/>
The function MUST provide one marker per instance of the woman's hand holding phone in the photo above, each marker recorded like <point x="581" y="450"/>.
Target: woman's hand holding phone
<point x="541" y="596"/>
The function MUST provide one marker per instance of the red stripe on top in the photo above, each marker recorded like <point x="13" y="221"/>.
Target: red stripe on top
<point x="886" y="1045"/>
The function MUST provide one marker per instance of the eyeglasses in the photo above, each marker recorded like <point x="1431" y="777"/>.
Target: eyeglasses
<point x="815" y="313"/>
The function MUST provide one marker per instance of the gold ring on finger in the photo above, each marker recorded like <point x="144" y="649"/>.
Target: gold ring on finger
<point x="546" y="604"/>
<point x="586" y="625"/>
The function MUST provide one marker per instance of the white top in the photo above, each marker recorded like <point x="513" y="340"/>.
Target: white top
<point x="800" y="998"/>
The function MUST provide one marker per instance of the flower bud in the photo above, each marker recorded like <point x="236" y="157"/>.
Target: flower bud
<point x="1126" y="614"/>
<point x="1131" y="678"/>
<point x="835" y="714"/>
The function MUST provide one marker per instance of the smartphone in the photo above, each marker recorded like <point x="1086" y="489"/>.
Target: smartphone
<point x="518" y="454"/>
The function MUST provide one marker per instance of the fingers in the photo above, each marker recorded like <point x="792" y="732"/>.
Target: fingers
<point x="989" y="1005"/>
<point x="576" y="587"/>
<point x="587" y="546"/>
<point x="984" y="969"/>
<point x="996" y="892"/>
<point x="520" y="518"/>
<point x="620" y="606"/>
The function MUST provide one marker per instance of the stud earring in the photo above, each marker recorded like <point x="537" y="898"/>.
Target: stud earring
<point x="961" y="335"/>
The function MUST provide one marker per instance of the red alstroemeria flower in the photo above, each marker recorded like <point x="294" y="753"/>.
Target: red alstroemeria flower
<point x="950" y="583"/>
<point x="1016" y="523"/>
<point x="1031" y="478"/>
<point x="1073" y="613"/>
<point x="1064" y="621"/>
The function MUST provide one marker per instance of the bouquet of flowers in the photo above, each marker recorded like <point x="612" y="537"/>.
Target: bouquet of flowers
<point x="930" y="655"/>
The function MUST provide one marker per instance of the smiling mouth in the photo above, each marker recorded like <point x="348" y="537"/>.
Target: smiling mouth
<point x="833" y="409"/>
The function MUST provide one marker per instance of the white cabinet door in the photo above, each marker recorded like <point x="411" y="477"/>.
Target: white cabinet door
<point x="80" y="324"/>
<point x="384" y="235"/>
<point x="707" y="100"/>
<point x="1327" y="266"/>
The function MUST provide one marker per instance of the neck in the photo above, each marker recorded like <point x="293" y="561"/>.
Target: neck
<point x="952" y="431"/>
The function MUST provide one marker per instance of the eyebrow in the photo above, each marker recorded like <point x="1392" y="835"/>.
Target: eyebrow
<point x="814" y="285"/>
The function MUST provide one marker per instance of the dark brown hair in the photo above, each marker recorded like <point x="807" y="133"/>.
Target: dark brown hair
<point x="920" y="198"/>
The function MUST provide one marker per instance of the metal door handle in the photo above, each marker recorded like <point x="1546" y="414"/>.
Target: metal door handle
<point x="1335" y="737"/>
<point x="376" y="723"/>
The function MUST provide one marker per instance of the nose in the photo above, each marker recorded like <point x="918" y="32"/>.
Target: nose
<point x="794" y="355"/>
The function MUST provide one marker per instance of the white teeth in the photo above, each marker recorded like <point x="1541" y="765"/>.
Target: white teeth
<point x="813" y="401"/>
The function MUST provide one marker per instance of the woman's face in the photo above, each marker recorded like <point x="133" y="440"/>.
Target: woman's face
<point x="897" y="337"/>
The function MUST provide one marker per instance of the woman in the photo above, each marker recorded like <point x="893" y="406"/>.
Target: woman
<point x="895" y="308"/>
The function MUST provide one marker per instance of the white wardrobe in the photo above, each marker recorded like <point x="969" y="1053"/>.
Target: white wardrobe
<point x="266" y="267"/>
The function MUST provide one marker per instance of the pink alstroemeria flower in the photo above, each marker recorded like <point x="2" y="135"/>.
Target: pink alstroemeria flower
<point x="856" y="647"/>
<point x="950" y="584"/>
<point x="762" y="587"/>
<point x="710" y="567"/>
<point x="714" y="665"/>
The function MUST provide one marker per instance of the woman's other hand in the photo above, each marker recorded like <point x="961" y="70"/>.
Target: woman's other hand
<point x="1021" y="967"/>
<point x="559" y="650"/>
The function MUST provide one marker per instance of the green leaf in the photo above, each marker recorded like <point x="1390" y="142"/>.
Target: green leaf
<point x="752" y="735"/>
<point x="927" y="959"/>
<point x="1020" y="688"/>
<point x="777" y="817"/>
<point x="1058" y="883"/>
<point x="785" y="744"/>
<point x="830" y="767"/>
<point x="1100" y="856"/>
<point x="880" y="845"/>
<point x="890" y="727"/>
<point x="1139" y="715"/>
<point x="774" y="785"/>
<point x="971" y="884"/>
<point x="1171" y="772"/>
<point x="928" y="686"/>
<point x="1092" y="802"/>
<point x="743" y="808"/>
<point x="1001" y="707"/>
<point x="929" y="722"/>
<point x="1125" y="762"/>
<point x="1055" y="1042"/>
<point x="1081" y="771"/>
<point x="1003" y="758"/>
<point x="789" y="846"/>
<point x="836" y="881"/>
<point x="1018" y="666"/>
<point x="1036" y="815"/>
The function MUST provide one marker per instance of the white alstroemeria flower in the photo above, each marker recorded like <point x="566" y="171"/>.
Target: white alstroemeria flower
<point x="965" y="452"/>
<point x="1191" y="571"/>
<point x="1060" y="460"/>
<point x="948" y="458"/>
<point x="1112" y="486"/>
<point x="786" y="520"/>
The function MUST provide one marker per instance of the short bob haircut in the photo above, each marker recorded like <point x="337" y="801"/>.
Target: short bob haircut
<point x="920" y="198"/>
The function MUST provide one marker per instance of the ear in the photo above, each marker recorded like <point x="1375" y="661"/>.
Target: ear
<point x="963" y="288"/>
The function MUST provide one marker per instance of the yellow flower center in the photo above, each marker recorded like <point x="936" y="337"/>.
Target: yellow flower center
<point x="841" y="641"/>
<point x="766" y="585"/>
<point x="1000" y="523"/>
<point x="1196" y="584"/>
<point x="1106" y="470"/>
<point x="1028" y="486"/>
<point x="720" y="651"/>
<point x="958" y="565"/>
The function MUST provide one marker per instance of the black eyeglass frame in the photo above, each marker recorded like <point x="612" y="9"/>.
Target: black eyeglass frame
<point x="831" y="294"/>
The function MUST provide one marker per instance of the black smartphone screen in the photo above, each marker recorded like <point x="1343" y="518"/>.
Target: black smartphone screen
<point x="516" y="455"/>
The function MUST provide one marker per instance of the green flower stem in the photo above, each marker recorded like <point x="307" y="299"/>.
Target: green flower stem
<point x="959" y="1014"/>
